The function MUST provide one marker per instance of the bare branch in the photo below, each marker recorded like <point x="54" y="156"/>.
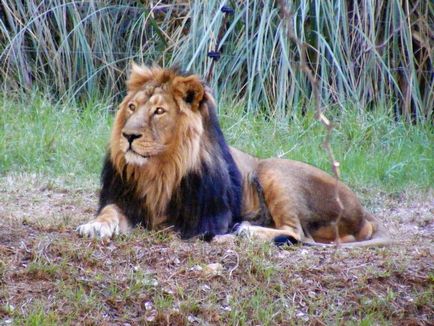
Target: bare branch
<point x="304" y="67"/>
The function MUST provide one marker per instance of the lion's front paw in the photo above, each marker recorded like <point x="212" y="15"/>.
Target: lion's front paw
<point x="242" y="229"/>
<point x="96" y="229"/>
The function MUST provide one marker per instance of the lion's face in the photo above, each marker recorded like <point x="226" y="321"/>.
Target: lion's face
<point x="158" y="111"/>
<point x="150" y="119"/>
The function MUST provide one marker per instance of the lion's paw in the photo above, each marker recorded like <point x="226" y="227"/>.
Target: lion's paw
<point x="96" y="229"/>
<point x="243" y="229"/>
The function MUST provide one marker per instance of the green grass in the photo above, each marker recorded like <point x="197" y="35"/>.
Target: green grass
<point x="38" y="316"/>
<point x="37" y="137"/>
<point x="374" y="151"/>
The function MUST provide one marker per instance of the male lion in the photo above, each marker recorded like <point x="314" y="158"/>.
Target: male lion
<point x="169" y="165"/>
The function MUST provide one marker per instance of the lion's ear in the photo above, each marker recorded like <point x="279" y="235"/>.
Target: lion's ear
<point x="189" y="89"/>
<point x="139" y="76"/>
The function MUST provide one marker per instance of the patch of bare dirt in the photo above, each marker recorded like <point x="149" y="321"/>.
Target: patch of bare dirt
<point x="31" y="197"/>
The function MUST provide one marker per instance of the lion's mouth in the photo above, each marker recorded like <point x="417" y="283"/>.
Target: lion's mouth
<point x="132" y="157"/>
<point x="142" y="155"/>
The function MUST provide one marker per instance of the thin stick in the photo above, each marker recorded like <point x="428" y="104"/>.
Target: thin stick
<point x="215" y="55"/>
<point x="287" y="16"/>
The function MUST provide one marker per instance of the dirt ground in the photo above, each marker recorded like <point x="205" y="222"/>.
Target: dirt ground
<point x="48" y="275"/>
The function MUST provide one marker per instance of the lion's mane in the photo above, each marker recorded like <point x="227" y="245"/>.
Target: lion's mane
<point x="196" y="185"/>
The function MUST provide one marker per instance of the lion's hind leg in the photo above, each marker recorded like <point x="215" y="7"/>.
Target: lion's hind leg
<point x="327" y="234"/>
<point x="276" y="207"/>
<point x="366" y="231"/>
<point x="109" y="222"/>
<point x="348" y="231"/>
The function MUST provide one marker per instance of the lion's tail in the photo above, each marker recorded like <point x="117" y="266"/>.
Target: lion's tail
<point x="378" y="240"/>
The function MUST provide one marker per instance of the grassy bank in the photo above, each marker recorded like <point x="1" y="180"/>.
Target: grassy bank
<point x="374" y="151"/>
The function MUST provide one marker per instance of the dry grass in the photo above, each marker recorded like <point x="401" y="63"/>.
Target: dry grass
<point x="48" y="275"/>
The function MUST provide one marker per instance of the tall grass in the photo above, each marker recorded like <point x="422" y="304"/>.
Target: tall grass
<point x="367" y="54"/>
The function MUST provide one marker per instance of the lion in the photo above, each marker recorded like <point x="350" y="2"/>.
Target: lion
<point x="168" y="165"/>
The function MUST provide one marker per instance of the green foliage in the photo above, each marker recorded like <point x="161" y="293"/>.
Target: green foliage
<point x="371" y="55"/>
<point x="374" y="150"/>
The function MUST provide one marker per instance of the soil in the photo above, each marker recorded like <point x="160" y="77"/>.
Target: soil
<point x="50" y="275"/>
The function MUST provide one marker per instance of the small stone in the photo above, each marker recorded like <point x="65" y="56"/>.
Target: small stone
<point x="148" y="305"/>
<point x="226" y="308"/>
<point x="150" y="282"/>
<point x="214" y="269"/>
<point x="205" y="288"/>
<point x="151" y="317"/>
<point x="196" y="268"/>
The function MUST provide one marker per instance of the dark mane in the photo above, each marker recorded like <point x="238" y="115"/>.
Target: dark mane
<point x="209" y="201"/>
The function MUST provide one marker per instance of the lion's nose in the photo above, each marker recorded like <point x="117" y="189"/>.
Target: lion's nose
<point x="131" y="136"/>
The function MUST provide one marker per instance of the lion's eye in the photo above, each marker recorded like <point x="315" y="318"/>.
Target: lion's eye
<point x="132" y="107"/>
<point x="159" y="111"/>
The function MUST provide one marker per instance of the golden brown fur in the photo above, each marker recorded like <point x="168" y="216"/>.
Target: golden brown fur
<point x="301" y="202"/>
<point x="156" y="180"/>
<point x="167" y="154"/>
<point x="166" y="142"/>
